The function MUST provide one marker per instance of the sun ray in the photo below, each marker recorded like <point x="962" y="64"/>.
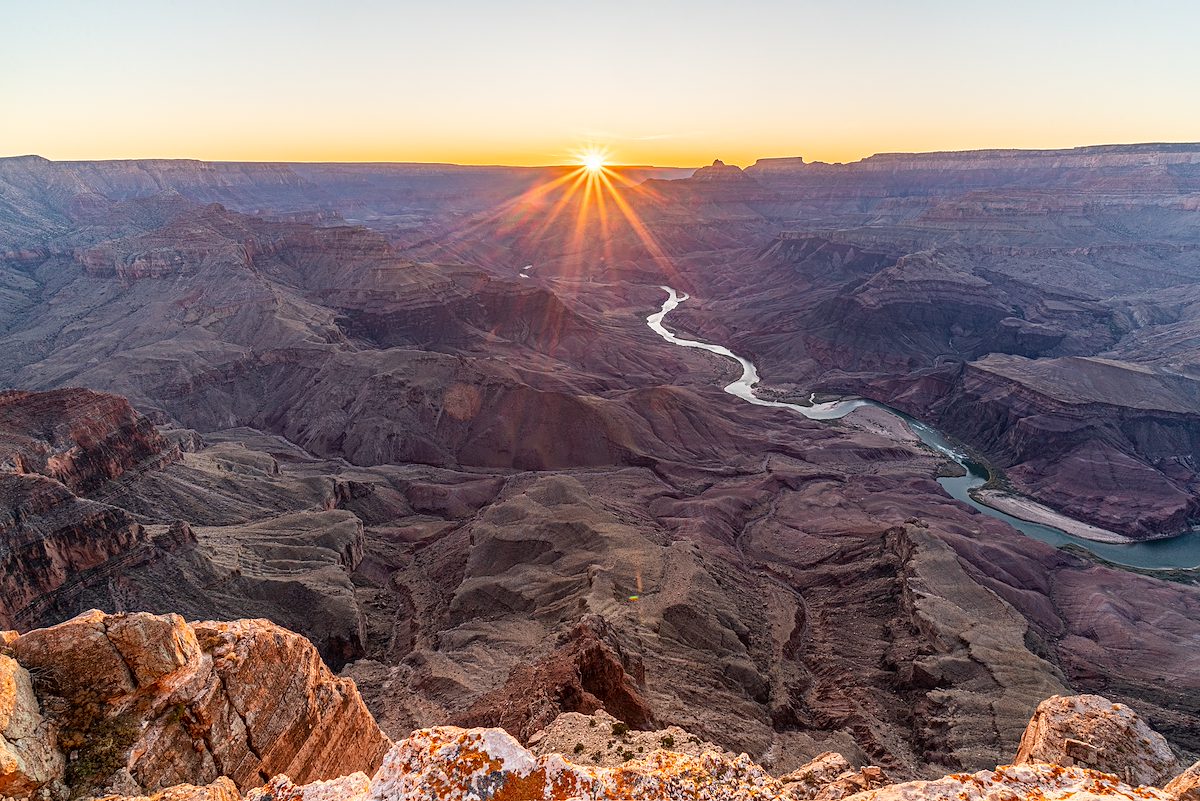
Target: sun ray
<point x="639" y="228"/>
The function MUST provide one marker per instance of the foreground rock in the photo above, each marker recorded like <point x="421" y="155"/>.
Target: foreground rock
<point x="1186" y="786"/>
<point x="29" y="756"/>
<point x="143" y="702"/>
<point x="220" y="790"/>
<point x="453" y="764"/>
<point x="1013" y="782"/>
<point x="829" y="777"/>
<point x="1091" y="732"/>
<point x="604" y="741"/>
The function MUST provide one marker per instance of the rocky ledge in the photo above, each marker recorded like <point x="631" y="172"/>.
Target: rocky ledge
<point x="136" y="703"/>
<point x="138" y="707"/>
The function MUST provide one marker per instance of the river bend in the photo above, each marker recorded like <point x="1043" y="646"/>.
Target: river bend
<point x="1182" y="552"/>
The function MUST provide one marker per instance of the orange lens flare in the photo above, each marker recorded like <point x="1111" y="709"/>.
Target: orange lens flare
<point x="571" y="214"/>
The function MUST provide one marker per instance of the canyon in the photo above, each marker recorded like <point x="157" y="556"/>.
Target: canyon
<point x="414" y="414"/>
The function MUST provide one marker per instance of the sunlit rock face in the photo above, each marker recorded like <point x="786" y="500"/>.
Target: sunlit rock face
<point x="1186" y="786"/>
<point x="143" y="702"/>
<point x="1091" y="732"/>
<point x="29" y="757"/>
<point x="449" y="764"/>
<point x="1012" y="782"/>
<point x="139" y="707"/>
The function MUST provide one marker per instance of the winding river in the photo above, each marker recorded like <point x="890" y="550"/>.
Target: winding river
<point x="1180" y="552"/>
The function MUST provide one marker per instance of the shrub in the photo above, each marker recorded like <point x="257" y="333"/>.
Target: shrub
<point x="103" y="751"/>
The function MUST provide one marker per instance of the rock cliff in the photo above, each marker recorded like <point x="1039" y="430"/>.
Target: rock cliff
<point x="143" y="706"/>
<point x="453" y="764"/>
<point x="141" y="702"/>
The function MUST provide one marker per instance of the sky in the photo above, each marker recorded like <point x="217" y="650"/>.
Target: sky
<point x="531" y="82"/>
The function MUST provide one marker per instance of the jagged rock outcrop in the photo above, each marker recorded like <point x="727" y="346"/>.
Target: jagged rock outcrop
<point x="29" y="757"/>
<point x="344" y="788"/>
<point x="1092" y="732"/>
<point x="149" y="702"/>
<point x="54" y="447"/>
<point x="602" y="740"/>
<point x="589" y="671"/>
<point x="1014" y="782"/>
<point x="49" y="537"/>
<point x="813" y="776"/>
<point x="452" y="764"/>
<point x="1185" y="786"/>
<point x="220" y="790"/>
<point x="829" y="777"/>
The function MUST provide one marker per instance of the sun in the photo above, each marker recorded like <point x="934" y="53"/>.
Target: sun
<point x="593" y="162"/>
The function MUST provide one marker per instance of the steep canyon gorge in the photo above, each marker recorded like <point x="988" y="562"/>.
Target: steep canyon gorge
<point x="414" y="414"/>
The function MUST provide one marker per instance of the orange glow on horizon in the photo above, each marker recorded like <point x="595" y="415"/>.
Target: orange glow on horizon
<point x="667" y="84"/>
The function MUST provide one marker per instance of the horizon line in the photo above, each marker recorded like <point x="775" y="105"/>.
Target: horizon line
<point x="498" y="165"/>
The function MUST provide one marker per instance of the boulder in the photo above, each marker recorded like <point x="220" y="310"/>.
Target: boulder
<point x="1185" y="786"/>
<point x="1015" y="782"/>
<point x="1092" y="732"/>
<point x="813" y="776"/>
<point x="146" y="702"/>
<point x="345" y="788"/>
<point x="29" y="756"/>
<point x="602" y="740"/>
<point x="829" y="777"/>
<point x="220" y="790"/>
<point x="851" y="782"/>
<point x="453" y="764"/>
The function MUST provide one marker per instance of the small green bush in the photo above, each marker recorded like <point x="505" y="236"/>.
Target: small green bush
<point x="103" y="751"/>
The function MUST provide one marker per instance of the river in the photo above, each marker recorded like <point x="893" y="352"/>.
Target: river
<point x="1182" y="552"/>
